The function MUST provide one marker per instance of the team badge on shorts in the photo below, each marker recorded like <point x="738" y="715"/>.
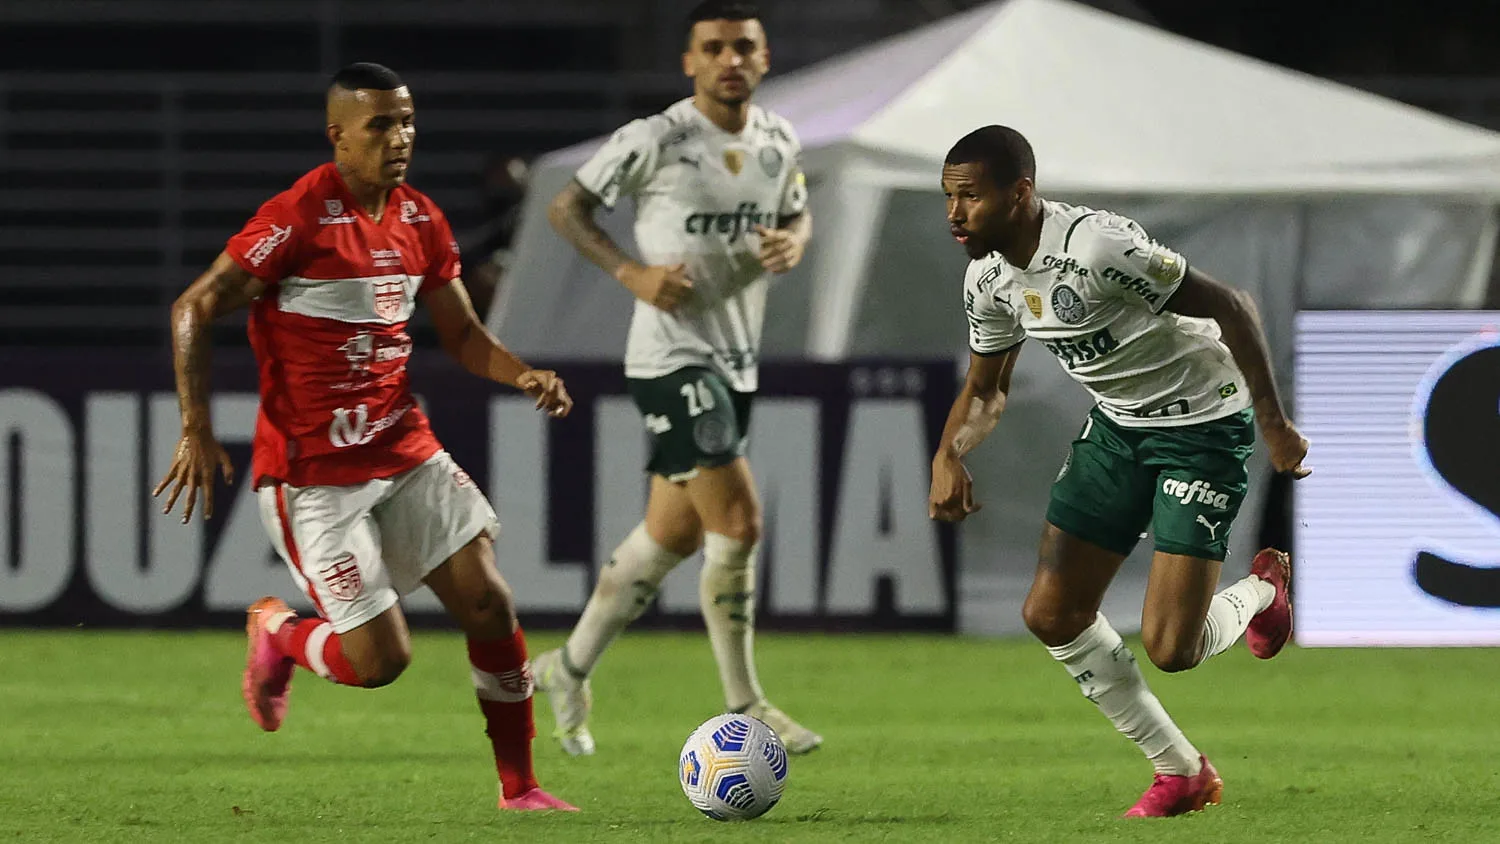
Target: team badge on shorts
<point x="1068" y="305"/>
<point x="734" y="160"/>
<point x="342" y="578"/>
<point x="1033" y="301"/>
<point x="712" y="435"/>
<point x="770" y="161"/>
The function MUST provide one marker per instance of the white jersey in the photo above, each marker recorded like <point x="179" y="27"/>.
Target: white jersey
<point x="699" y="194"/>
<point x="1093" y="295"/>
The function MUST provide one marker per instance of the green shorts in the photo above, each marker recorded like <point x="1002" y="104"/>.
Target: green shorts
<point x="1186" y="482"/>
<point x="695" y="421"/>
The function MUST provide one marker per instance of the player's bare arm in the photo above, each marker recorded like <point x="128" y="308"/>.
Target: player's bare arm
<point x="973" y="416"/>
<point x="1240" y="326"/>
<point x="572" y="215"/>
<point x="465" y="338"/>
<point x="225" y="287"/>
<point x="782" y="248"/>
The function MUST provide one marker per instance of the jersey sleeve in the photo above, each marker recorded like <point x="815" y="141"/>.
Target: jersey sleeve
<point x="794" y="196"/>
<point x="443" y="263"/>
<point x="1129" y="264"/>
<point x="267" y="245"/>
<point x="993" y="326"/>
<point x="623" y="165"/>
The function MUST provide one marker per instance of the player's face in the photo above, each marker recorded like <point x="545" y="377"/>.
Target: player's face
<point x="727" y="59"/>
<point x="374" y="134"/>
<point x="982" y="216"/>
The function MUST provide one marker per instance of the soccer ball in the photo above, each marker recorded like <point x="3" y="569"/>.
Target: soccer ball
<point x="733" y="768"/>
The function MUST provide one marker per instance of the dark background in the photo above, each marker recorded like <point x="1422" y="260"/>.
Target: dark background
<point x="136" y="135"/>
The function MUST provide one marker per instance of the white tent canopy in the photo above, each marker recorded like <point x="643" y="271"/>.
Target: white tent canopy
<point x="1119" y="107"/>
<point x="1304" y="192"/>
<point x="1114" y="108"/>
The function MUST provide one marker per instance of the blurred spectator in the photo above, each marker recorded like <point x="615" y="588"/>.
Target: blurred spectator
<point x="487" y="250"/>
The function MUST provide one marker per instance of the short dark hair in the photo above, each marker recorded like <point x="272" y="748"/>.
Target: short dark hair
<point x="1004" y="152"/>
<point x="720" y="10"/>
<point x="377" y="77"/>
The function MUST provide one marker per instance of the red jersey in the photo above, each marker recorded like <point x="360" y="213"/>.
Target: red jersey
<point x="330" y="335"/>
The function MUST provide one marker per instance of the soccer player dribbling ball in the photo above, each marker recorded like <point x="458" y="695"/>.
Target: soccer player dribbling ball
<point x="1179" y="367"/>
<point x="358" y="496"/>
<point x="721" y="203"/>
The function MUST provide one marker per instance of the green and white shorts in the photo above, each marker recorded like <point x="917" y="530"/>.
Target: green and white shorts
<point x="1187" y="483"/>
<point x="695" y="420"/>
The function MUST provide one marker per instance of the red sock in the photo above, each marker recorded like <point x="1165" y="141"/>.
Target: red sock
<point x="314" y="645"/>
<point x="502" y="680"/>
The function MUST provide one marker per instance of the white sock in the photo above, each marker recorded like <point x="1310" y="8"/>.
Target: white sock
<point x="626" y="586"/>
<point x="726" y="594"/>
<point x="1230" y="611"/>
<point x="1107" y="675"/>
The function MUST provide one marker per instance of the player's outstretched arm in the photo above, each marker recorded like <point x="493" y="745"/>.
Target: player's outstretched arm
<point x="465" y="338"/>
<point x="223" y="288"/>
<point x="1240" y="326"/>
<point x="572" y="215"/>
<point x="974" y="414"/>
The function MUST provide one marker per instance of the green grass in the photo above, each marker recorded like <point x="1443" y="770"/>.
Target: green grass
<point x="141" y="737"/>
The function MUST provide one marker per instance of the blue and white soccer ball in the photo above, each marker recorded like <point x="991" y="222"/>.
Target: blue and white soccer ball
<point x="733" y="768"/>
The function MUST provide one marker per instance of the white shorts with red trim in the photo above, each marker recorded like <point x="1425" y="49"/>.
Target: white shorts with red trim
<point x="356" y="549"/>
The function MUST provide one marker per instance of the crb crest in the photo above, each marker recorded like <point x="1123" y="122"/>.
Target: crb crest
<point x="342" y="578"/>
<point x="390" y="298"/>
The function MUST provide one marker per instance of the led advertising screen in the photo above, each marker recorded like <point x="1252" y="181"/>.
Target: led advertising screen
<point x="1398" y="528"/>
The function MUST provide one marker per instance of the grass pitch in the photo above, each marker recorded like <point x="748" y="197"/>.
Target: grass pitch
<point x="142" y="737"/>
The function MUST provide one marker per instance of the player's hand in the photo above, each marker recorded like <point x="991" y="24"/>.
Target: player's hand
<point x="952" y="496"/>
<point x="548" y="390"/>
<point x="198" y="454"/>
<point x="1288" y="448"/>
<point x="780" y="249"/>
<point x="661" y="287"/>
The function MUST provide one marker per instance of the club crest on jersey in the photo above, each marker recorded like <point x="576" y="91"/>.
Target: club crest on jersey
<point x="342" y="578"/>
<point x="734" y="160"/>
<point x="390" y="298"/>
<point x="334" y="207"/>
<point x="1067" y="305"/>
<point x="1033" y="301"/>
<point x="770" y="161"/>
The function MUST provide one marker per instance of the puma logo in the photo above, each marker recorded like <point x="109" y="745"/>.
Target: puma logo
<point x="1213" y="527"/>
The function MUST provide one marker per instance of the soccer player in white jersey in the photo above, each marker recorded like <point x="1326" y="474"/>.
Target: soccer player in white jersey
<point x="721" y="202"/>
<point x="1178" y="365"/>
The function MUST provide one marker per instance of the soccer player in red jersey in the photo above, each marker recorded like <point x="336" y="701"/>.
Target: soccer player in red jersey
<point x="357" y="494"/>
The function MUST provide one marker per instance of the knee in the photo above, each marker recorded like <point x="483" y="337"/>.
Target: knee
<point x="1171" y="653"/>
<point x="383" y="667"/>
<point x="1052" y="624"/>
<point x="743" y="524"/>
<point x="487" y="613"/>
